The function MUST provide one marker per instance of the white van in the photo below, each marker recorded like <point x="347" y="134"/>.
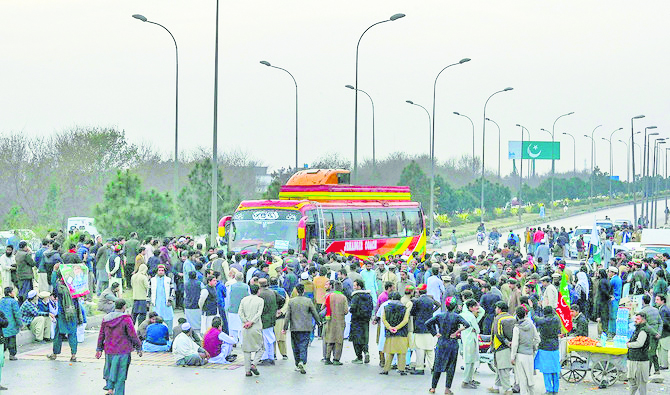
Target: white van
<point x="85" y="224"/>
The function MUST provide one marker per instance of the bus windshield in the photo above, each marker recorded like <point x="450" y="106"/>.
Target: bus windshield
<point x="254" y="230"/>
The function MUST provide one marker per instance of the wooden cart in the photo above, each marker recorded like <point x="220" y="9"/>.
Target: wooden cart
<point x="606" y="364"/>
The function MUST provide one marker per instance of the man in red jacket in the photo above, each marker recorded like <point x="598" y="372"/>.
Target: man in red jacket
<point x="118" y="339"/>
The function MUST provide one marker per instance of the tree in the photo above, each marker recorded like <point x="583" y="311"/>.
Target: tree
<point x="279" y="178"/>
<point x="413" y="177"/>
<point x="195" y="199"/>
<point x="126" y="208"/>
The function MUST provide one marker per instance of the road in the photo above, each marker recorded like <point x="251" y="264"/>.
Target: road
<point x="587" y="219"/>
<point x="36" y="375"/>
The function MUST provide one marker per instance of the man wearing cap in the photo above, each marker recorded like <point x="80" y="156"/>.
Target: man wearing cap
<point x="24" y="270"/>
<point x="185" y="351"/>
<point x="38" y="321"/>
<point x="617" y="284"/>
<point x="114" y="266"/>
<point x="162" y="296"/>
<point x="550" y="295"/>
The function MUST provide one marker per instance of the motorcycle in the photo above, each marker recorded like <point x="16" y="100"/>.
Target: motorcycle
<point x="493" y="244"/>
<point x="480" y="238"/>
<point x="485" y="355"/>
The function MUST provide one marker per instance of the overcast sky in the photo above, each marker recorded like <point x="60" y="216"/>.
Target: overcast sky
<point x="82" y="62"/>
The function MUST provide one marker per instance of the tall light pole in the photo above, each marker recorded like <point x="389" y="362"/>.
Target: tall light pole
<point x="484" y="148"/>
<point x="665" y="185"/>
<point x="654" y="214"/>
<point x="627" y="143"/>
<point x="393" y="17"/>
<point x="632" y="162"/>
<point x="266" y="63"/>
<point x="474" y="171"/>
<point x="553" y="166"/>
<point x="645" y="165"/>
<point x="430" y="138"/>
<point x="593" y="158"/>
<point x="610" y="169"/>
<point x="611" y="163"/>
<point x="374" y="163"/>
<point x="214" y="220"/>
<point x="521" y="168"/>
<point x="574" y="152"/>
<point x="490" y="120"/>
<point x="432" y="148"/>
<point x="176" y="107"/>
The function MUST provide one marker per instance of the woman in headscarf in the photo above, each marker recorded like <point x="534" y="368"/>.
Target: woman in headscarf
<point x="604" y="297"/>
<point x="582" y="290"/>
<point x="547" y="359"/>
<point x="447" y="327"/>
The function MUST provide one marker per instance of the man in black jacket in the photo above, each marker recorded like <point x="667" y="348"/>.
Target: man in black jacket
<point x="422" y="310"/>
<point x="580" y="326"/>
<point x="361" y="311"/>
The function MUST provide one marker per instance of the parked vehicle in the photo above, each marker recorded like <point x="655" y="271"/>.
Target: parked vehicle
<point x="85" y="224"/>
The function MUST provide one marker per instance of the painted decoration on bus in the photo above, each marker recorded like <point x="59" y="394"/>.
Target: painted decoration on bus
<point x="384" y="247"/>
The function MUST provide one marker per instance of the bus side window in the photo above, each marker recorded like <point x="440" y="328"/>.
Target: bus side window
<point x="412" y="223"/>
<point x="367" y="225"/>
<point x="357" y="228"/>
<point x="379" y="224"/>
<point x="396" y="228"/>
<point x="329" y="225"/>
<point x="342" y="225"/>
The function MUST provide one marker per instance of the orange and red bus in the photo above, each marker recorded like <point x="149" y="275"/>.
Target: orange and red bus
<point x="316" y="210"/>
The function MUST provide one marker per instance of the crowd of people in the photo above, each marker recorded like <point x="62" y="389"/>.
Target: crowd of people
<point x="421" y="310"/>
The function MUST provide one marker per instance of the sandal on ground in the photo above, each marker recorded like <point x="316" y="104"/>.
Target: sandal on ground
<point x="51" y="357"/>
<point x="73" y="358"/>
<point x="432" y="390"/>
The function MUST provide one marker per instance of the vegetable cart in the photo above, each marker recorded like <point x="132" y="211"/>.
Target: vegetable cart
<point x="605" y="363"/>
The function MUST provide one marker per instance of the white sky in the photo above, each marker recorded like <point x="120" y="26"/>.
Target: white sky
<point x="83" y="62"/>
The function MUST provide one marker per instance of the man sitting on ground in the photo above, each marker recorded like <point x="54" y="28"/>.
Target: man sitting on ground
<point x="37" y="321"/>
<point x="158" y="337"/>
<point x="185" y="351"/>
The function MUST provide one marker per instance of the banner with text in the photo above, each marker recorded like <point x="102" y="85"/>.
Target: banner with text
<point x="534" y="150"/>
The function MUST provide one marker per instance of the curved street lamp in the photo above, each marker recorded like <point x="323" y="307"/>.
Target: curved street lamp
<point x="432" y="148"/>
<point x="484" y="148"/>
<point x="632" y="155"/>
<point x="474" y="171"/>
<point x="574" y="152"/>
<point x="373" y="122"/>
<point x="430" y="137"/>
<point x="266" y="63"/>
<point x="393" y="17"/>
<point x="498" y="126"/>
<point x="553" y="162"/>
<point x="142" y="18"/>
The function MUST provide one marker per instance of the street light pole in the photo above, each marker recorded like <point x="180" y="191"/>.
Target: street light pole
<point x="648" y="172"/>
<point x="374" y="163"/>
<point x="521" y="168"/>
<point x="665" y="186"/>
<point x="176" y="108"/>
<point x="215" y="165"/>
<point x="263" y="62"/>
<point x="611" y="163"/>
<point x="490" y="120"/>
<point x="574" y="152"/>
<point x="645" y="170"/>
<point x="632" y="161"/>
<point x="432" y="148"/>
<point x="593" y="158"/>
<point x="474" y="171"/>
<point x="430" y="138"/>
<point x="484" y="148"/>
<point x="355" y="175"/>
<point x="653" y="222"/>
<point x="552" y="157"/>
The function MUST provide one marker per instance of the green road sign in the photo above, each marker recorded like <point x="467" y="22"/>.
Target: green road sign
<point x="533" y="150"/>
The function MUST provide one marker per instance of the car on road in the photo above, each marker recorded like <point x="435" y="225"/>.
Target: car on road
<point x="572" y="251"/>
<point x="622" y="222"/>
<point x="605" y="224"/>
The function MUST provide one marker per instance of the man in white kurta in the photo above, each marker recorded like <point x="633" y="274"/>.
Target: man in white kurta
<point x="251" y="308"/>
<point x="473" y="314"/>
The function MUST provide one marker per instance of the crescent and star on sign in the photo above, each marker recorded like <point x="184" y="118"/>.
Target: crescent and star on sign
<point x="533" y="154"/>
